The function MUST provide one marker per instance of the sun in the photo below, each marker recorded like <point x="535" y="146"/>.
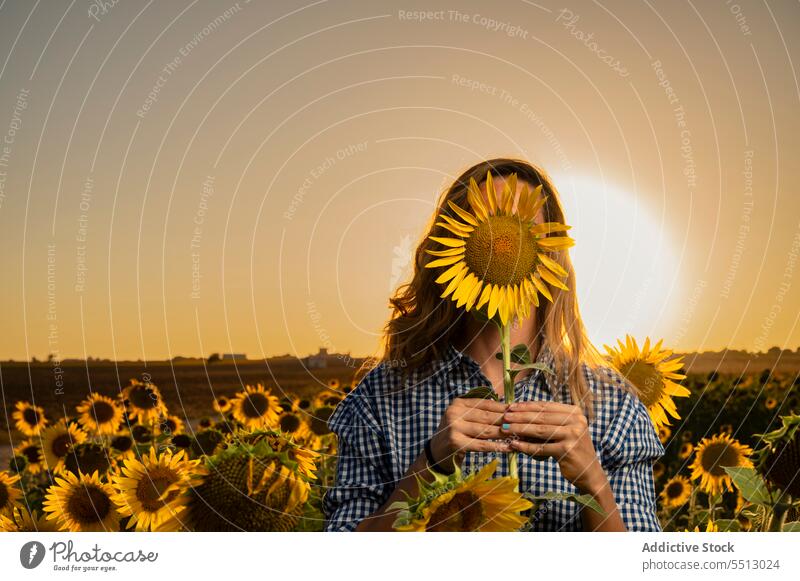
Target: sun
<point x="628" y="268"/>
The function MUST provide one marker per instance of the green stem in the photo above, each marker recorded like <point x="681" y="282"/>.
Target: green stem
<point x="508" y="391"/>
<point x="778" y="517"/>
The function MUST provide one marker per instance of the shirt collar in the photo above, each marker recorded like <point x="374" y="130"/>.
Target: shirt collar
<point x="453" y="357"/>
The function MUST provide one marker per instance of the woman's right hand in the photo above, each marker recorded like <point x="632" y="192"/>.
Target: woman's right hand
<point x="468" y="424"/>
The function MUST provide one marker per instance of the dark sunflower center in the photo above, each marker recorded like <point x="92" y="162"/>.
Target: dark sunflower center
<point x="122" y="443"/>
<point x="30" y="416"/>
<point x="319" y="421"/>
<point x="87" y="458"/>
<point x="169" y="426"/>
<point x="88" y="504"/>
<point x="32" y="454"/>
<point x="144" y="397"/>
<point x="152" y="485"/>
<point x="290" y="423"/>
<point x="717" y="456"/>
<point x="60" y="445"/>
<point x="5" y="495"/>
<point x="674" y="490"/>
<point x="463" y="513"/>
<point x="222" y="401"/>
<point x="103" y="412"/>
<point x="141" y="433"/>
<point x="255" y="405"/>
<point x="647" y="380"/>
<point x="501" y="251"/>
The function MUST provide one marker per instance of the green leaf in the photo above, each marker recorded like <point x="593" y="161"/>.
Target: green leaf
<point x="482" y="392"/>
<point x="519" y="354"/>
<point x="750" y="484"/>
<point x="585" y="500"/>
<point x="726" y="525"/>
<point x="791" y="527"/>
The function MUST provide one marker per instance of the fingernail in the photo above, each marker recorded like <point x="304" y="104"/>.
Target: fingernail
<point x="506" y="426"/>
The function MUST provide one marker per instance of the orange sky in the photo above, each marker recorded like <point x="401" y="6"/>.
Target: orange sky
<point x="179" y="178"/>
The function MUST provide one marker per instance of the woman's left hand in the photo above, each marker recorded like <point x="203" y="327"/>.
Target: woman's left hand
<point x="561" y="431"/>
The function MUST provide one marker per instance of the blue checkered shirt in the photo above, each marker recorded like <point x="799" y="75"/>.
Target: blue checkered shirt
<point x="382" y="429"/>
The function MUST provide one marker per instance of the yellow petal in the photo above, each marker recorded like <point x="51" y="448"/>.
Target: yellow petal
<point x="490" y="193"/>
<point x="452" y="242"/>
<point x="448" y="252"/>
<point x="454" y="283"/>
<point x="443" y="261"/>
<point x="475" y="199"/>
<point x="451" y="272"/>
<point x="473" y="296"/>
<point x="553" y="265"/>
<point x="509" y="192"/>
<point x="494" y="301"/>
<point x="463" y="214"/>
<point x="548" y="227"/>
<point x="542" y="288"/>
<point x="458" y="225"/>
<point x="487" y="292"/>
<point x="556" y="242"/>
<point x="453" y="229"/>
<point x="549" y="277"/>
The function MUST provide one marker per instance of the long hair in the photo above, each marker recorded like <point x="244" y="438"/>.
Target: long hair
<point x="423" y="325"/>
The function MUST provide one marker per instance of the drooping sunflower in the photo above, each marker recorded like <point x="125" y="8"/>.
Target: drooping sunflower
<point x="26" y="522"/>
<point x="779" y="456"/>
<point x="32" y="452"/>
<point x="82" y="504"/>
<point x="712" y="456"/>
<point x="88" y="458"/>
<point x="221" y="404"/>
<point x="651" y="370"/>
<point x="676" y="492"/>
<point x="145" y="403"/>
<point x="152" y="490"/>
<point x="9" y="493"/>
<point x="319" y="435"/>
<point x="99" y="414"/>
<point x="29" y="418"/>
<point x="497" y="255"/>
<point x="57" y="441"/>
<point x="256" y="407"/>
<point x="248" y="488"/>
<point x="461" y="502"/>
<point x="122" y="446"/>
<point x="305" y="458"/>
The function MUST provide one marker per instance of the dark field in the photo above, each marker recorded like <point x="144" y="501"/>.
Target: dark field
<point x="188" y="386"/>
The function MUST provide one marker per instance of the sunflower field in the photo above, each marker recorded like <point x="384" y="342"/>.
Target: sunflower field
<point x="261" y="460"/>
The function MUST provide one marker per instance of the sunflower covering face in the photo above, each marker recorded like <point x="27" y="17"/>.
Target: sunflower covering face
<point x="653" y="372"/>
<point x="497" y="255"/>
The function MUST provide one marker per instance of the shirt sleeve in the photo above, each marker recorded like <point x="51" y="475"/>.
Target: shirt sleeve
<point x="363" y="481"/>
<point x="631" y="446"/>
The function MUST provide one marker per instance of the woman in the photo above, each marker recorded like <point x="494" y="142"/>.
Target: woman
<point x="581" y="429"/>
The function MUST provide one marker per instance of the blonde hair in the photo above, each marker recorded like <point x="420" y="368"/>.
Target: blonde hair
<point x="422" y="325"/>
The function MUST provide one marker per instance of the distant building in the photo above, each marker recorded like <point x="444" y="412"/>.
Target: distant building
<point x="318" y="361"/>
<point x="234" y="357"/>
